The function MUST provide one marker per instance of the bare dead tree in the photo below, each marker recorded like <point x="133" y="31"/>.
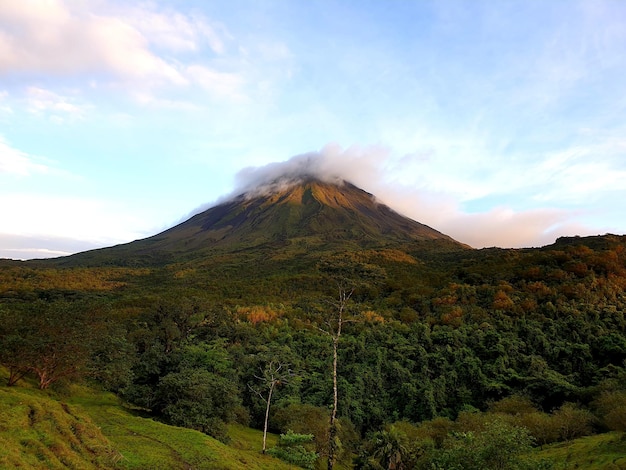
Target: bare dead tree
<point x="348" y="274"/>
<point x="273" y="374"/>
<point x="333" y="327"/>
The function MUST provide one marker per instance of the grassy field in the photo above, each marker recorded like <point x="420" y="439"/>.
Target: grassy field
<point x="599" y="452"/>
<point x="85" y="429"/>
<point x="38" y="431"/>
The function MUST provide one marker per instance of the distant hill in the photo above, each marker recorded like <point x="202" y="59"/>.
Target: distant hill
<point x="311" y="214"/>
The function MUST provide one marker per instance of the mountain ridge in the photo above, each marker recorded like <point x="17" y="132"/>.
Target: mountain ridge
<point x="309" y="212"/>
<point x="312" y="199"/>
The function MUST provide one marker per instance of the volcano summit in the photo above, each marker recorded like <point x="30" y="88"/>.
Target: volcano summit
<point x="309" y="213"/>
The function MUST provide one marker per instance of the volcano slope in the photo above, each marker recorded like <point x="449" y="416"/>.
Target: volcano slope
<point x="285" y="217"/>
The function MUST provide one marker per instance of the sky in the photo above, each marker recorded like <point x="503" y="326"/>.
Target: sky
<point x="499" y="123"/>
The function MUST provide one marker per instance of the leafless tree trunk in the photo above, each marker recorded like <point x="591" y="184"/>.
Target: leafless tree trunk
<point x="267" y="416"/>
<point x="275" y="373"/>
<point x="333" y="329"/>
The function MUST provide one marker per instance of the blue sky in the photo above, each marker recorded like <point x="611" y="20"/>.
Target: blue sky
<point x="498" y="123"/>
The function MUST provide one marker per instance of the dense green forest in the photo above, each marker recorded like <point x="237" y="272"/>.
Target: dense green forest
<point x="446" y="358"/>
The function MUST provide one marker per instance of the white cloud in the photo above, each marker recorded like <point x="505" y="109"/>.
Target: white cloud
<point x="355" y="164"/>
<point x="498" y="226"/>
<point x="5" y="108"/>
<point x="23" y="247"/>
<point x="152" y="52"/>
<point x="175" y="31"/>
<point x="16" y="162"/>
<point x="504" y="227"/>
<point x="47" y="36"/>
<point x="41" y="101"/>
<point x="220" y="84"/>
<point x="581" y="173"/>
<point x="89" y="220"/>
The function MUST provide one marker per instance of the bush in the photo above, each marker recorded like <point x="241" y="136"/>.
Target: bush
<point x="611" y="409"/>
<point x="304" y="418"/>
<point x="514" y="405"/>
<point x="573" y="421"/>
<point x="499" y="446"/>
<point x="290" y="449"/>
<point x="198" y="399"/>
<point x="542" y="426"/>
<point x="436" y="430"/>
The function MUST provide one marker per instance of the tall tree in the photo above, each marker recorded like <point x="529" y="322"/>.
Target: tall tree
<point x="348" y="272"/>
<point x="333" y="326"/>
<point x="15" y="349"/>
<point x="273" y="374"/>
<point x="65" y="336"/>
<point x="52" y="340"/>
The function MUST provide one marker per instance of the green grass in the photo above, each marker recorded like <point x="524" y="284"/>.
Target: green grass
<point x="87" y="429"/>
<point x="37" y="431"/>
<point x="599" y="452"/>
<point x="145" y="443"/>
<point x="245" y="438"/>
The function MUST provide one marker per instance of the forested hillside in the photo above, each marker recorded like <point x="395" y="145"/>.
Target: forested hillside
<point x="434" y="343"/>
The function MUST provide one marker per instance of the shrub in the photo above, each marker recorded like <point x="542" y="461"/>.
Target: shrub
<point x="611" y="409"/>
<point x="290" y="449"/>
<point x="198" y="399"/>
<point x="542" y="426"/>
<point x="573" y="421"/>
<point x="499" y="446"/>
<point x="513" y="405"/>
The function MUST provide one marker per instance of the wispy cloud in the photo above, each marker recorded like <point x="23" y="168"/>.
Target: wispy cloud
<point x="40" y="101"/>
<point x="16" y="162"/>
<point x="4" y="107"/>
<point x="53" y="37"/>
<point x="578" y="174"/>
<point x="220" y="84"/>
<point x="25" y="247"/>
<point x="157" y="54"/>
<point x="87" y="219"/>
<point x="175" y="31"/>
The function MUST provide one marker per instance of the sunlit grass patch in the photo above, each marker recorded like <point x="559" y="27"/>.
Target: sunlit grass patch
<point x="41" y="432"/>
<point x="599" y="452"/>
<point x="87" y="429"/>
<point x="146" y="443"/>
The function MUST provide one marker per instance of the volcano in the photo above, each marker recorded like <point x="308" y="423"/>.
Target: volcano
<point x="308" y="213"/>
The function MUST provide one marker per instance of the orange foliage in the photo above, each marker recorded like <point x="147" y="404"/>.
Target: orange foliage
<point x="505" y="286"/>
<point x="453" y="317"/>
<point x="539" y="289"/>
<point x="533" y="272"/>
<point x="257" y="314"/>
<point x="445" y="300"/>
<point x="396" y="256"/>
<point x="577" y="268"/>
<point x="528" y="305"/>
<point x="501" y="301"/>
<point x="184" y="273"/>
<point x="91" y="279"/>
<point x="372" y="317"/>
